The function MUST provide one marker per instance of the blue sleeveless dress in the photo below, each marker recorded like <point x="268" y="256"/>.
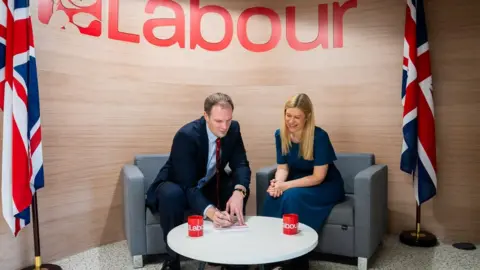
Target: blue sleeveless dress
<point x="312" y="204"/>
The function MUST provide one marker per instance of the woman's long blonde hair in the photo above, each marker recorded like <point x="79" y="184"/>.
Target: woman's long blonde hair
<point x="302" y="102"/>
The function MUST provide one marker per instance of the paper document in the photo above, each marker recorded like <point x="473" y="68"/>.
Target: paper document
<point x="234" y="227"/>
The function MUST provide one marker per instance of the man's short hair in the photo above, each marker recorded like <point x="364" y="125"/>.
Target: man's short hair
<point x="221" y="99"/>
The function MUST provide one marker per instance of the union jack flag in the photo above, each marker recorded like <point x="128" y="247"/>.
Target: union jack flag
<point x="418" y="150"/>
<point x="22" y="160"/>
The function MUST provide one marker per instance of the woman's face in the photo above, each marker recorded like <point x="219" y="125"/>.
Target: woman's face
<point x="294" y="119"/>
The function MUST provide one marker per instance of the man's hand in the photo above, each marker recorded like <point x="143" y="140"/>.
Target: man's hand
<point x="235" y="206"/>
<point x="219" y="218"/>
<point x="222" y="219"/>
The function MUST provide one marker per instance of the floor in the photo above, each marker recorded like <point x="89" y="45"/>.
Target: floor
<point x="392" y="255"/>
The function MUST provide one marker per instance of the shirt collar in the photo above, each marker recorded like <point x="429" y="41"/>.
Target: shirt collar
<point x="211" y="136"/>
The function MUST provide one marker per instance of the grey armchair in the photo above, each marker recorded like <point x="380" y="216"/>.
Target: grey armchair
<point x="356" y="227"/>
<point x="142" y="229"/>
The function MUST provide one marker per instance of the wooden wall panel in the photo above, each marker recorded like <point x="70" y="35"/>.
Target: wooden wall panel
<point x="104" y="100"/>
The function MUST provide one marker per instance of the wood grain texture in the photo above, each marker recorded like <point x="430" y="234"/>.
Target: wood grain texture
<point x="103" y="101"/>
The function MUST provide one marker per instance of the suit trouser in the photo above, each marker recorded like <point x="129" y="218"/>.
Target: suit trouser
<point x="173" y="203"/>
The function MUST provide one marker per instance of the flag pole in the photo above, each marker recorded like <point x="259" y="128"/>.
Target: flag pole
<point x="417" y="237"/>
<point x="36" y="238"/>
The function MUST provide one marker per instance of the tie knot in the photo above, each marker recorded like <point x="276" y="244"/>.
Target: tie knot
<point x="217" y="141"/>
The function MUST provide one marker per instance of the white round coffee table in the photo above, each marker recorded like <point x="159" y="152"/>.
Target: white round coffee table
<point x="261" y="243"/>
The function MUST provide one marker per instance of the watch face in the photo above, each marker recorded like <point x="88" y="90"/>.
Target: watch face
<point x="243" y="192"/>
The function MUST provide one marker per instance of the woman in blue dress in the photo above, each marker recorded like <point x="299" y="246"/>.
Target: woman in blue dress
<point x="306" y="182"/>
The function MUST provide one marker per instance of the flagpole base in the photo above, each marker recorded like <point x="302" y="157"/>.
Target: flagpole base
<point x="46" y="266"/>
<point x="465" y="246"/>
<point x="424" y="239"/>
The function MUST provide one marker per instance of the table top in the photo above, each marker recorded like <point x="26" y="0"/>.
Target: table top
<point x="261" y="243"/>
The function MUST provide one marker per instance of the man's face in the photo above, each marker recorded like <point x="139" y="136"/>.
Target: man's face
<point x="219" y="120"/>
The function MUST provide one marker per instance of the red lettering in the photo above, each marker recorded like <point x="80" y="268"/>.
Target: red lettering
<point x="242" y="29"/>
<point x="195" y="227"/>
<point x="322" y="36"/>
<point x="113" y="31"/>
<point x="46" y="9"/>
<point x="338" y="12"/>
<point x="196" y="37"/>
<point x="289" y="226"/>
<point x="178" y="22"/>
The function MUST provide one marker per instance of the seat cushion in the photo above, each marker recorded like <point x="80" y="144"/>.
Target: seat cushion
<point x="336" y="239"/>
<point x="151" y="219"/>
<point x="155" y="243"/>
<point x="342" y="213"/>
<point x="155" y="219"/>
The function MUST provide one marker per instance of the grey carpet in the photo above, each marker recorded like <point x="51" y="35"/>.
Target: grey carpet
<point x="392" y="255"/>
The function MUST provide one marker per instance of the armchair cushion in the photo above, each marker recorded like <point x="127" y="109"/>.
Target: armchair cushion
<point x="150" y="165"/>
<point x="350" y="164"/>
<point x="134" y="208"/>
<point x="342" y="213"/>
<point x="371" y="211"/>
<point x="263" y="177"/>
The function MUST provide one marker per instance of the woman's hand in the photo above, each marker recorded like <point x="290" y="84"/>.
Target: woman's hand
<point x="273" y="192"/>
<point x="281" y="186"/>
<point x="270" y="189"/>
<point x="277" y="188"/>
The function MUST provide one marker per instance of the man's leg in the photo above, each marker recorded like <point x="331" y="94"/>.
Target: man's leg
<point x="225" y="191"/>
<point x="227" y="187"/>
<point x="172" y="203"/>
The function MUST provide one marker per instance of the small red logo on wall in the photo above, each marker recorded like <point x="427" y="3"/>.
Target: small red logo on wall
<point x="84" y="16"/>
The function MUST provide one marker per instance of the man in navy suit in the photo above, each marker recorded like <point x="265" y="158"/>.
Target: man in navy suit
<point x="194" y="177"/>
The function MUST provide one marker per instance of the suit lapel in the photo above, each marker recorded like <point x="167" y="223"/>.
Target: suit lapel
<point x="204" y="142"/>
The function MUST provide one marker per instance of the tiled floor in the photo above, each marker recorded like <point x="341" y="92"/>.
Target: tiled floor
<point x="392" y="255"/>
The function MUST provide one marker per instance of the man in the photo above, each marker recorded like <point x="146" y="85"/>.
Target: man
<point x="194" y="177"/>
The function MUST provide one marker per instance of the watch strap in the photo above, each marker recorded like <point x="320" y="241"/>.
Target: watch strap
<point x="242" y="191"/>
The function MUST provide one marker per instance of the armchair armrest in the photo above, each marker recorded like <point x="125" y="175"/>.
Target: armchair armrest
<point x="134" y="209"/>
<point x="371" y="211"/>
<point x="263" y="177"/>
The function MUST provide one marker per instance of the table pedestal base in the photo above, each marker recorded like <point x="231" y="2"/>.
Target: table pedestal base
<point x="201" y="266"/>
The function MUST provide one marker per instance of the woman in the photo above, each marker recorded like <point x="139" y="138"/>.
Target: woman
<point x="306" y="182"/>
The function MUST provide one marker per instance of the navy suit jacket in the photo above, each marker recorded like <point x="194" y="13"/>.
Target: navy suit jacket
<point x="187" y="163"/>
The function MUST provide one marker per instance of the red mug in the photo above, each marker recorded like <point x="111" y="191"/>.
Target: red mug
<point x="290" y="224"/>
<point x="195" y="226"/>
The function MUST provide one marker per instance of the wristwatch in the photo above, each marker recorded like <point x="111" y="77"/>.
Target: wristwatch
<point x="242" y="191"/>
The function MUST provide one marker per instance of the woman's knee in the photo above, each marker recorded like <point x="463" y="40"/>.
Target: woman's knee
<point x="292" y="194"/>
<point x="270" y="203"/>
<point x="268" y="199"/>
